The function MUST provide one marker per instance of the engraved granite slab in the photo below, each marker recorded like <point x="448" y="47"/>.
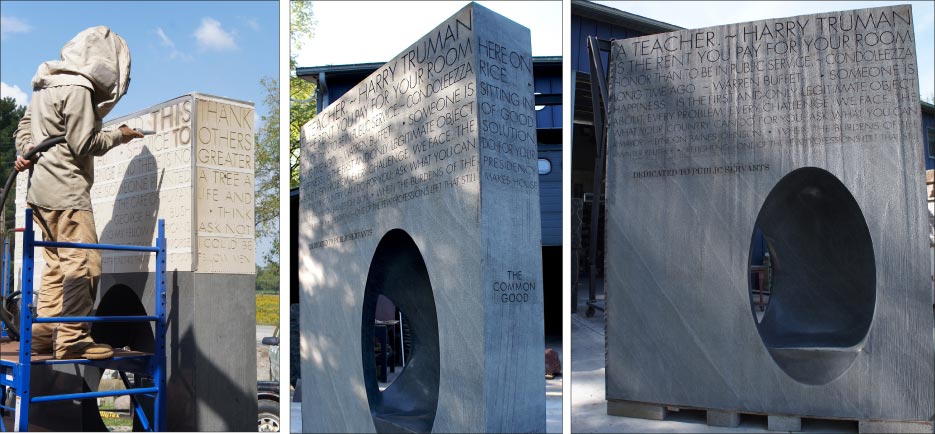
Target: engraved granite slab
<point x="793" y="136"/>
<point x="420" y="184"/>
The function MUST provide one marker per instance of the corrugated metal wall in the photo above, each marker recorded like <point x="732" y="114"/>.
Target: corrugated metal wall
<point x="549" y="116"/>
<point x="582" y="27"/>
<point x="550" y="196"/>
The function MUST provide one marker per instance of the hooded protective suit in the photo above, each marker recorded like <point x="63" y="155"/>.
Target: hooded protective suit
<point x="71" y="97"/>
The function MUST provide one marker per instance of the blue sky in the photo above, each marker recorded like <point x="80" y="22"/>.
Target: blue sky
<point x="219" y="48"/>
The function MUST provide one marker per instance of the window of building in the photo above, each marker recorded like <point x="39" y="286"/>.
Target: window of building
<point x="545" y="166"/>
<point x="539" y="107"/>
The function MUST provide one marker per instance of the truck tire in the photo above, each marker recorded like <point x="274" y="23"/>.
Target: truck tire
<point x="268" y="416"/>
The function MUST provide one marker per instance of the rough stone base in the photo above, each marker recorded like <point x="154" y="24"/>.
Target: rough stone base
<point x="723" y="418"/>
<point x="874" y="426"/>
<point x="636" y="409"/>
<point x="784" y="423"/>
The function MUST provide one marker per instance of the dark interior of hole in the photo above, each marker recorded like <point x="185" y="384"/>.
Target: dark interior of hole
<point x="119" y="300"/>
<point x="823" y="275"/>
<point x="398" y="272"/>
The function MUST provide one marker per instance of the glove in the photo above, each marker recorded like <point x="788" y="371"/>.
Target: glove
<point x="23" y="164"/>
<point x="127" y="134"/>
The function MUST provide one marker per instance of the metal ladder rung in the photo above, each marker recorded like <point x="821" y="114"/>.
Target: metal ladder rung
<point x="99" y="394"/>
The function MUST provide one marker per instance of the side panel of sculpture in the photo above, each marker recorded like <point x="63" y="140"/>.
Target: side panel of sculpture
<point x="513" y="311"/>
<point x="224" y="173"/>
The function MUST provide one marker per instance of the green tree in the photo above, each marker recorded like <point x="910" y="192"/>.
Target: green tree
<point x="266" y="186"/>
<point x="10" y="114"/>
<point x="266" y="183"/>
<point x="267" y="277"/>
<point x="302" y="107"/>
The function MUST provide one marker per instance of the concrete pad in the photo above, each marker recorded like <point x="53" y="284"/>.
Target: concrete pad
<point x="553" y="390"/>
<point x="784" y="423"/>
<point x="723" y="418"/>
<point x="636" y="409"/>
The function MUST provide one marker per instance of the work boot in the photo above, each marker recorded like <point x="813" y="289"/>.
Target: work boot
<point x="90" y="352"/>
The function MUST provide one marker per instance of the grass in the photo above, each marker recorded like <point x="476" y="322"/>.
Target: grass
<point x="267" y="309"/>
<point x="115" y="422"/>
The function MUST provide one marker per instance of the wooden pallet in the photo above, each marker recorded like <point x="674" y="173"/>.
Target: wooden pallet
<point x="775" y="422"/>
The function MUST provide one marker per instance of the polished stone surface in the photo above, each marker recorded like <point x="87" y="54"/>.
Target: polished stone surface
<point x="420" y="184"/>
<point x="807" y="129"/>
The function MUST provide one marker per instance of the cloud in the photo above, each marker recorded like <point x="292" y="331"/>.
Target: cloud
<point x="167" y="42"/>
<point x="13" y="92"/>
<point x="253" y="24"/>
<point x="211" y="36"/>
<point x="12" y="25"/>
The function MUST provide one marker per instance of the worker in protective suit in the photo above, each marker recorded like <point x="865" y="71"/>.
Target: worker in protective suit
<point x="71" y="97"/>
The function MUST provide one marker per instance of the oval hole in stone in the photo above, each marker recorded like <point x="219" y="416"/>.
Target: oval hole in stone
<point x="821" y="276"/>
<point x="398" y="273"/>
<point x="120" y="300"/>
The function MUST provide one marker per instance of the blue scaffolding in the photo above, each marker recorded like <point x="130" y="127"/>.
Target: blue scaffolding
<point x="17" y="361"/>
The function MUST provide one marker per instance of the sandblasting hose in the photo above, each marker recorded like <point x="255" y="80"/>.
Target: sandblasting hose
<point x="42" y="147"/>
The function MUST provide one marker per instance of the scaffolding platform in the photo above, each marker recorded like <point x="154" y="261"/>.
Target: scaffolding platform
<point x="9" y="356"/>
<point x="16" y="362"/>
